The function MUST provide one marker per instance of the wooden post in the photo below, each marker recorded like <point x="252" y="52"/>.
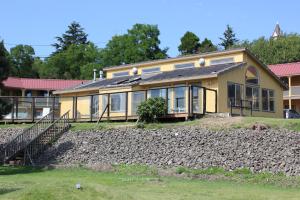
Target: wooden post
<point x="204" y="101"/>
<point x="53" y="108"/>
<point x="216" y="101"/>
<point x="13" y="111"/>
<point x="91" y="108"/>
<point x="167" y="99"/>
<point x="241" y="106"/>
<point x="33" y="109"/>
<point x="189" y="101"/>
<point x="230" y="102"/>
<point x="251" y="107"/>
<point x="17" y="107"/>
<point x="108" y="106"/>
<point x="126" y="107"/>
<point x="75" y="113"/>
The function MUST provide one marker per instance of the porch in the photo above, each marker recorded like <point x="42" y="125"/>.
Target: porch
<point x="186" y="102"/>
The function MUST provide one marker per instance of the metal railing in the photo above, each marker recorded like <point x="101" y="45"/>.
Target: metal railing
<point x="295" y="91"/>
<point x="196" y="101"/>
<point x="241" y="105"/>
<point x="33" y="139"/>
<point x="47" y="137"/>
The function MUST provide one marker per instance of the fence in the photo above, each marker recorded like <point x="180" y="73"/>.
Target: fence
<point x="244" y="107"/>
<point x="181" y="101"/>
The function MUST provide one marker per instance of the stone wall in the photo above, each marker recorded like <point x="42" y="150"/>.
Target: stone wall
<point x="267" y="150"/>
<point x="7" y="134"/>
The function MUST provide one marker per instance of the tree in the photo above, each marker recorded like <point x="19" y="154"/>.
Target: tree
<point x="141" y="43"/>
<point x="207" y="46"/>
<point x="4" y="72"/>
<point x="72" y="63"/>
<point x="22" y="58"/>
<point x="284" y="49"/>
<point x="74" y="35"/>
<point x="190" y="44"/>
<point x="229" y="38"/>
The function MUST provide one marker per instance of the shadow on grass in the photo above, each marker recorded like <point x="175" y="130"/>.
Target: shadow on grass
<point x="13" y="170"/>
<point x="7" y="190"/>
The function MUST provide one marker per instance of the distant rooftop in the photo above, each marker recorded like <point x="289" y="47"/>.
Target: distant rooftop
<point x="286" y="69"/>
<point x="40" y="84"/>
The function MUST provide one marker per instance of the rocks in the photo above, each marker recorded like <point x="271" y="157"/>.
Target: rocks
<point x="271" y="150"/>
<point x="7" y="134"/>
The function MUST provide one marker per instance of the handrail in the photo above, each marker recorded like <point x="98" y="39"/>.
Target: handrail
<point x="24" y="140"/>
<point x="106" y="107"/>
<point x="31" y="127"/>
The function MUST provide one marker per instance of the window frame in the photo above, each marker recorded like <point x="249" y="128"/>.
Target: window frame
<point x="241" y="93"/>
<point x="220" y="61"/>
<point x="115" y="76"/>
<point x="156" y="70"/>
<point x="184" y="65"/>
<point x="257" y="99"/>
<point x="258" y="77"/>
<point x="111" y="103"/>
<point x="268" y="100"/>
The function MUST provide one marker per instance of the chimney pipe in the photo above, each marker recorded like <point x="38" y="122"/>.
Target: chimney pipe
<point x="100" y="74"/>
<point x="95" y="71"/>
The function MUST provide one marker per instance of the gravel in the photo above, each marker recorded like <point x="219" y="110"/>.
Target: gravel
<point x="264" y="150"/>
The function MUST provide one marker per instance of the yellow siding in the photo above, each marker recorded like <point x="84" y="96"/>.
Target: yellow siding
<point x="66" y="104"/>
<point x="238" y="76"/>
<point x="169" y="66"/>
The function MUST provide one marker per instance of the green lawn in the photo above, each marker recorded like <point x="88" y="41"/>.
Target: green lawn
<point x="210" y="123"/>
<point x="35" y="184"/>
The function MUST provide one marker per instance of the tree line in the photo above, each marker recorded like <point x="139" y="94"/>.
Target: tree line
<point x="75" y="56"/>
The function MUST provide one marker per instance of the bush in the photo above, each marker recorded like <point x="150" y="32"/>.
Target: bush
<point x="151" y="109"/>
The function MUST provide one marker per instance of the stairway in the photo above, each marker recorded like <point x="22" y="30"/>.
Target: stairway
<point x="34" y="140"/>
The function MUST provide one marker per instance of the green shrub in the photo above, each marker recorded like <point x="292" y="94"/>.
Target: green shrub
<point x="140" y="125"/>
<point x="151" y="109"/>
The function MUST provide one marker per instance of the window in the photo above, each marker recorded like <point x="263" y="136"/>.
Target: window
<point x="119" y="74"/>
<point x="185" y="65"/>
<point x="117" y="102"/>
<point x="137" y="99"/>
<point x="221" y="61"/>
<point x="151" y="70"/>
<point x="234" y="94"/>
<point x="252" y="76"/>
<point x="252" y="94"/>
<point x="196" y="103"/>
<point x="268" y="100"/>
<point x="179" y="99"/>
<point x="157" y="93"/>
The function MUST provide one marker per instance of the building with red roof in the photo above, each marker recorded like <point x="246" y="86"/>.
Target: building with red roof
<point x="290" y="74"/>
<point x="14" y="86"/>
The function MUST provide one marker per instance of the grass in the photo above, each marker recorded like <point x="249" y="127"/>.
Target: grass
<point x="291" y="124"/>
<point x="209" y="123"/>
<point x="129" y="182"/>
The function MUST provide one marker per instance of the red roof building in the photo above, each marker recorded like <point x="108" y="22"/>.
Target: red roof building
<point x="290" y="74"/>
<point x="286" y="69"/>
<point x="36" y="87"/>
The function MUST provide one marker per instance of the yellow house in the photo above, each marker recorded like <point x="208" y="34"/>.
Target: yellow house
<point x="229" y="82"/>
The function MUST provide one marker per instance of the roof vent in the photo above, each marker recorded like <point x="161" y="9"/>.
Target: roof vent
<point x="202" y="61"/>
<point x="134" y="71"/>
<point x="95" y="71"/>
<point x="100" y="74"/>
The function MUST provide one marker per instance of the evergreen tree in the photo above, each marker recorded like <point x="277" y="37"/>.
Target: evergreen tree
<point x="74" y="35"/>
<point x="190" y="44"/>
<point x="207" y="46"/>
<point x="229" y="38"/>
<point x="4" y="71"/>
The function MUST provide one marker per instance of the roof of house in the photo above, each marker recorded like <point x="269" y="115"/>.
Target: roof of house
<point x="286" y="69"/>
<point x="192" y="72"/>
<point x="40" y="84"/>
<point x="177" y="75"/>
<point x="178" y="58"/>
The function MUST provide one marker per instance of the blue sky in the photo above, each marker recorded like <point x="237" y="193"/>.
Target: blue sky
<point x="37" y="22"/>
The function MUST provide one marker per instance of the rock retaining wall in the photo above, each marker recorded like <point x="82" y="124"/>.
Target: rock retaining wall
<point x="267" y="150"/>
